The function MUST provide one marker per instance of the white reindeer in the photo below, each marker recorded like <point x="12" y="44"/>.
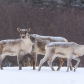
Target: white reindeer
<point x="69" y="50"/>
<point x="16" y="47"/>
<point x="39" y="47"/>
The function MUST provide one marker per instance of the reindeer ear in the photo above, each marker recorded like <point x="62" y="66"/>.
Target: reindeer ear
<point x="18" y="29"/>
<point x="28" y="29"/>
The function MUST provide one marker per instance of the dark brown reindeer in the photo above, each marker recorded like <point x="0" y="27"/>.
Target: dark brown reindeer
<point x="17" y="47"/>
<point x="39" y="47"/>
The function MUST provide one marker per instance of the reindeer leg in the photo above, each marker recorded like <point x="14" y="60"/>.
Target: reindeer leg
<point x="20" y="59"/>
<point x="78" y="61"/>
<point x="34" y="60"/>
<point x="50" y="63"/>
<point x="61" y="63"/>
<point x="1" y="58"/>
<point x="0" y="65"/>
<point x="68" y="64"/>
<point x="71" y="67"/>
<point x="42" y="61"/>
<point x="29" y="62"/>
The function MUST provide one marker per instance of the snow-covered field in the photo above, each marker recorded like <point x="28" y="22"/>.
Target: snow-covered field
<point x="11" y="75"/>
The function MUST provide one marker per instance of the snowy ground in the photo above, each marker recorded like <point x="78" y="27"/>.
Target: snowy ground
<point x="11" y="75"/>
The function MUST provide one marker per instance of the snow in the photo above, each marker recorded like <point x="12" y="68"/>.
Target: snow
<point x="61" y="43"/>
<point x="9" y="40"/>
<point x="11" y="75"/>
<point x="51" y="37"/>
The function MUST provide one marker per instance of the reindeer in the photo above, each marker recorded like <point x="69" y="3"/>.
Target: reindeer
<point x="17" y="47"/>
<point x="69" y="50"/>
<point x="39" y="47"/>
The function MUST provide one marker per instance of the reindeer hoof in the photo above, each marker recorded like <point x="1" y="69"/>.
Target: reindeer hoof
<point x="53" y="70"/>
<point x="1" y="68"/>
<point x="33" y="68"/>
<point x="71" y="69"/>
<point x="67" y="71"/>
<point x="74" y="70"/>
<point x="20" y="68"/>
<point x="58" y="69"/>
<point x="38" y="69"/>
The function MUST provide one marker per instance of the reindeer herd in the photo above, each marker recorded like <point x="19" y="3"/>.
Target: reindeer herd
<point x="35" y="44"/>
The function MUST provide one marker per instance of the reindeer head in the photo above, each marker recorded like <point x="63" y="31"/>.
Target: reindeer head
<point x="23" y="32"/>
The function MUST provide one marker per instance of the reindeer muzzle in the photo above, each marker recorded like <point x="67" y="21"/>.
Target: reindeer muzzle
<point x="23" y="36"/>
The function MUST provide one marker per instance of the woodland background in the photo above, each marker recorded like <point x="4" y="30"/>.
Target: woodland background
<point x="64" y="18"/>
